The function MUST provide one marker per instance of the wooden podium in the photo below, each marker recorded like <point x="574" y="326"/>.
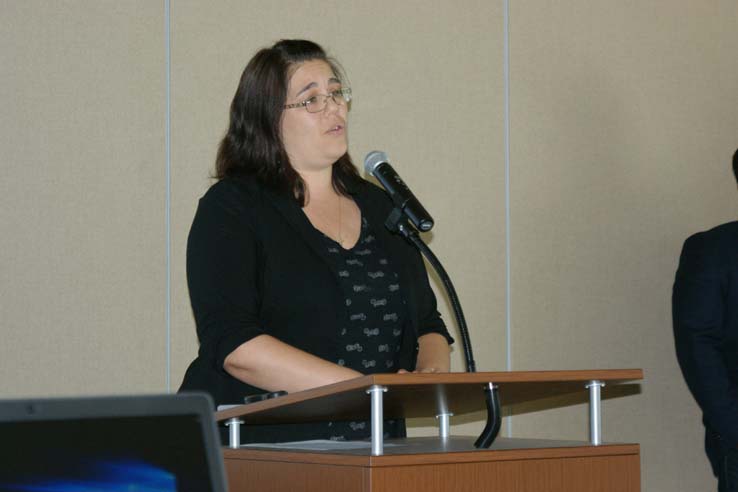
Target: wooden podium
<point x="434" y="464"/>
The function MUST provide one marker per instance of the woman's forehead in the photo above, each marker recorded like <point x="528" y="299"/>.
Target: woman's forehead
<point x="312" y="72"/>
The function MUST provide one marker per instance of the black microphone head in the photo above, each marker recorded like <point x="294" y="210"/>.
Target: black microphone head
<point x="373" y="159"/>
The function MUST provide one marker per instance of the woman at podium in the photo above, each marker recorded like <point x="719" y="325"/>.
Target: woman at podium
<point x="294" y="280"/>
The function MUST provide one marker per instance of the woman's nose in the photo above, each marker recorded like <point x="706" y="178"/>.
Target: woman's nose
<point x="332" y="105"/>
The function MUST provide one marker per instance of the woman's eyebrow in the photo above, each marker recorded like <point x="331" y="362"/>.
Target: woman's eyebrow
<point x="332" y="80"/>
<point x="309" y="86"/>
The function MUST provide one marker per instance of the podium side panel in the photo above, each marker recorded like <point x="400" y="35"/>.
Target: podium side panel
<point x="276" y="476"/>
<point x="583" y="474"/>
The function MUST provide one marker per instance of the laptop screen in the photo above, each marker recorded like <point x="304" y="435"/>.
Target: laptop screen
<point x="146" y="444"/>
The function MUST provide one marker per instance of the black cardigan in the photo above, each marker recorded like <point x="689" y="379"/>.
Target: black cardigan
<point x="255" y="266"/>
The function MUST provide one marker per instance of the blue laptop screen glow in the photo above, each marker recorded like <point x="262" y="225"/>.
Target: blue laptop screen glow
<point x="141" y="454"/>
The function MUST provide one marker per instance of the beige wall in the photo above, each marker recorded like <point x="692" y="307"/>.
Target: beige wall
<point x="625" y="117"/>
<point x="82" y="206"/>
<point x="622" y="123"/>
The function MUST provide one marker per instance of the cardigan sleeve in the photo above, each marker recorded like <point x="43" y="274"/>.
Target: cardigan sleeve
<point x="429" y="319"/>
<point x="223" y="274"/>
<point x="698" y="309"/>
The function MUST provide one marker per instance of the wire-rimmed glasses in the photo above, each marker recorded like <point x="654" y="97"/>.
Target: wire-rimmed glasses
<point x="318" y="102"/>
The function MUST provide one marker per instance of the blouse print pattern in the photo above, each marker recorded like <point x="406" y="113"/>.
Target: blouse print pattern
<point x="376" y="312"/>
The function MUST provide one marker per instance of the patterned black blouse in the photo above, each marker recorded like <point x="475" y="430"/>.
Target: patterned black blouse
<point x="377" y="311"/>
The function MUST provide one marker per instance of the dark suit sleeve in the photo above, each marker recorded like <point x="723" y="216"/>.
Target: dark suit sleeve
<point x="698" y="310"/>
<point x="223" y="275"/>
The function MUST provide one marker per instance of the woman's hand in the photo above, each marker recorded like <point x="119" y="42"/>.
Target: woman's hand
<point x="419" y="371"/>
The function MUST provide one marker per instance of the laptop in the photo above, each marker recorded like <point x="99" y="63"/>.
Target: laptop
<point x="161" y="443"/>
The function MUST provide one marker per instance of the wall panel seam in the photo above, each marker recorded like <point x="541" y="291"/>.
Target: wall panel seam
<point x="168" y="194"/>
<point x="508" y="252"/>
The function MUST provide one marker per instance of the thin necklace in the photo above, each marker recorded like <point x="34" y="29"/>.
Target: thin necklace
<point x="340" y="235"/>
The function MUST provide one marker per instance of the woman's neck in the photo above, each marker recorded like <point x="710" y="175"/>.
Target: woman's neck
<point x="318" y="185"/>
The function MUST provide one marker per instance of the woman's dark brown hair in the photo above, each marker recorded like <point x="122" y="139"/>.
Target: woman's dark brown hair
<point x="252" y="145"/>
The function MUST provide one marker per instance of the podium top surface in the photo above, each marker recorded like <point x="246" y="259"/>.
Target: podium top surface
<point x="425" y="395"/>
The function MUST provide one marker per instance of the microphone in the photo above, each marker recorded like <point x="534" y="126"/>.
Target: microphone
<point x="376" y="164"/>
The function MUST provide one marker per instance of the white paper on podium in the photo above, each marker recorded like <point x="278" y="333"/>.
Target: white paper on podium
<point x="316" y="445"/>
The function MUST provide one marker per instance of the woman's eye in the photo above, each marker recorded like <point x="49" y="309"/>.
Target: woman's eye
<point x="311" y="100"/>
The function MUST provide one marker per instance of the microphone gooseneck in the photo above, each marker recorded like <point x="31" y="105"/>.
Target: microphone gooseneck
<point x="407" y="208"/>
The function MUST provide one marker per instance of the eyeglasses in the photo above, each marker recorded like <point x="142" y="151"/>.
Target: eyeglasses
<point x="317" y="103"/>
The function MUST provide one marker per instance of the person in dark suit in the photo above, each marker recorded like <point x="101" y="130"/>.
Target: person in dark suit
<point x="705" y="315"/>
